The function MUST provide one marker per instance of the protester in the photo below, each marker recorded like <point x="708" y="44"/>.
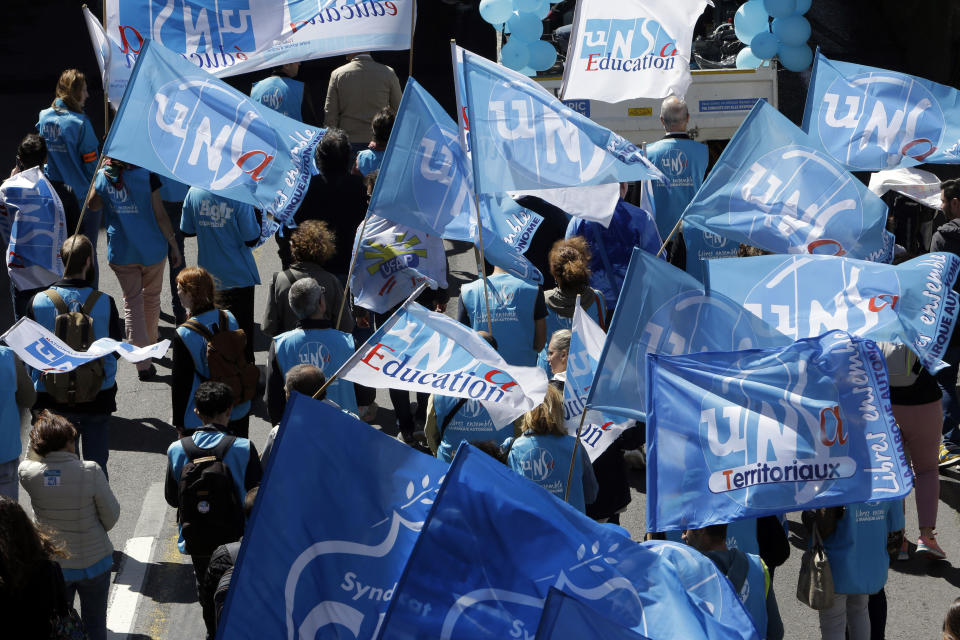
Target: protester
<point x="138" y="233"/>
<point x="314" y="342"/>
<point x="947" y="238"/>
<point x="32" y="591"/>
<point x="16" y="394"/>
<point x="73" y="148"/>
<point x="356" y="92"/>
<point x="552" y="228"/>
<point x="951" y="622"/>
<point x="32" y="152"/>
<point x="282" y="93"/>
<point x="226" y="232"/>
<point x="747" y="573"/>
<point x="194" y="469"/>
<point x="74" y="499"/>
<point x="172" y="194"/>
<point x="94" y="385"/>
<point x="190" y="363"/>
<point x="544" y="452"/>
<point x="517" y="313"/>
<point x="370" y="158"/>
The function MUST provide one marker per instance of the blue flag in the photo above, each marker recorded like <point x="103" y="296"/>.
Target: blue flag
<point x="774" y="189"/>
<point x="567" y="618"/>
<point x="667" y="311"/>
<point x="704" y="245"/>
<point x="806" y="296"/>
<point x="522" y="137"/>
<point x="495" y="543"/>
<point x="754" y="433"/>
<point x="180" y="122"/>
<point x="315" y="561"/>
<point x="871" y="119"/>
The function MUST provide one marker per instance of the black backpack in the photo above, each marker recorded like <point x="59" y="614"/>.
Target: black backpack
<point x="210" y="512"/>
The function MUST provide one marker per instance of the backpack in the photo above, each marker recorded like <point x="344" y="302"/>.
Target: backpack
<point x="903" y="365"/>
<point x="210" y="512"/>
<point x="226" y="359"/>
<point x="75" y="328"/>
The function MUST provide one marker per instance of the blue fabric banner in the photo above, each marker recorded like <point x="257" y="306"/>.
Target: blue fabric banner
<point x="567" y="618"/>
<point x="180" y="122"/>
<point x="774" y="189"/>
<point x="806" y="296"/>
<point x="495" y="543"/>
<point x="871" y="119"/>
<point x="522" y="137"/>
<point x="704" y="245"/>
<point x="753" y="433"/>
<point x="667" y="311"/>
<point x="334" y="563"/>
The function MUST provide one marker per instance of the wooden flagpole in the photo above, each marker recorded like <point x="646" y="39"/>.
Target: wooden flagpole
<point x="481" y="266"/>
<point x="106" y="74"/>
<point x="413" y="25"/>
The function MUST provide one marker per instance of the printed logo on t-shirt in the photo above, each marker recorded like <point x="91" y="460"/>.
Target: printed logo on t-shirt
<point x="214" y="214"/>
<point x="537" y="464"/>
<point x="315" y="353"/>
<point x="51" y="478"/>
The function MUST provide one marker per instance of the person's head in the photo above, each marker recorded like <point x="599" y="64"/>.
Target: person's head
<point x="558" y="350"/>
<point x="291" y="69"/>
<point x="22" y="546"/>
<point x="212" y="402"/>
<point x="334" y="153"/>
<point x="249" y="500"/>
<point x="674" y="115"/>
<point x="77" y="255"/>
<point x="951" y="622"/>
<point x="306" y="379"/>
<point x="547" y="417"/>
<point x="313" y="241"/>
<point x="381" y="125"/>
<point x="196" y="289"/>
<point x="712" y="538"/>
<point x="52" y="432"/>
<point x="950" y="198"/>
<point x="306" y="299"/>
<point x="570" y="263"/>
<point x="491" y="448"/>
<point x="370" y="181"/>
<point x="72" y="89"/>
<point x="32" y="152"/>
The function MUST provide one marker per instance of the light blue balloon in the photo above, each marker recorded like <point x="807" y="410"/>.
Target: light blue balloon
<point x="764" y="45"/>
<point x="542" y="55"/>
<point x="525" y="26"/>
<point x="802" y="7"/>
<point x="747" y="60"/>
<point x="795" y="58"/>
<point x="751" y="18"/>
<point x="515" y="55"/>
<point x="780" y="8"/>
<point x="527" y="71"/>
<point x="792" y="31"/>
<point x="496" y="11"/>
<point x="542" y="9"/>
<point x="527" y="6"/>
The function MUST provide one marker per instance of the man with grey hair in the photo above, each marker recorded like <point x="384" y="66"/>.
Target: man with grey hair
<point x="684" y="162"/>
<point x="312" y="342"/>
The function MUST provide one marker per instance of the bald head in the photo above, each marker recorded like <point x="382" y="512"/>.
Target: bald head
<point x="674" y="114"/>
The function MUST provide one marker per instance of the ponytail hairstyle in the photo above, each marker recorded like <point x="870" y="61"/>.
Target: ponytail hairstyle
<point x="70" y="89"/>
<point x="570" y="263"/>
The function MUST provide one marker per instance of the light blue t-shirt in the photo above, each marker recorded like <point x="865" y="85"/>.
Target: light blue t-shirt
<point x="326" y="349"/>
<point x="512" y="305"/>
<point x="684" y="162"/>
<point x="280" y="93"/>
<point x="369" y="160"/>
<point x="857" y="550"/>
<point x="173" y="191"/>
<point x="133" y="236"/>
<point x="471" y="423"/>
<point x="72" y="147"/>
<point x="222" y="227"/>
<point x="545" y="459"/>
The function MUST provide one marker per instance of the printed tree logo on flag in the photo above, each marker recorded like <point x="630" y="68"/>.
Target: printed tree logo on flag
<point x="395" y="257"/>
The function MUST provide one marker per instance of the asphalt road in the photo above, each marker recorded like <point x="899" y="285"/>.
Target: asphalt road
<point x="153" y="594"/>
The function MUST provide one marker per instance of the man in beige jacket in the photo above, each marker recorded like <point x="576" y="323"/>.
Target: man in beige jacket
<point x="357" y="91"/>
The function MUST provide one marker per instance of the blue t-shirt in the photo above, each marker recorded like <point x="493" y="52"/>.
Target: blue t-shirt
<point x="72" y="147"/>
<point x="10" y="447"/>
<point x="857" y="550"/>
<point x="471" y="423"/>
<point x="133" y="236"/>
<point x="369" y="160"/>
<point x="280" y="93"/>
<point x="684" y="162"/>
<point x="514" y="306"/>
<point x="545" y="459"/>
<point x="173" y="191"/>
<point x="326" y="349"/>
<point x="223" y="227"/>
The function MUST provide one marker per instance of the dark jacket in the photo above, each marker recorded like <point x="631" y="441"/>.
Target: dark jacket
<point x="279" y="317"/>
<point x="947" y="239"/>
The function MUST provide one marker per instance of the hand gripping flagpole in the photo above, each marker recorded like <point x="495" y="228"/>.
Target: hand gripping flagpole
<point x="353" y="263"/>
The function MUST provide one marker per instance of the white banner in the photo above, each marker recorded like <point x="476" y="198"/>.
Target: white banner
<point x="42" y="350"/>
<point x="630" y="49"/>
<point x="917" y="184"/>
<point x="592" y="202"/>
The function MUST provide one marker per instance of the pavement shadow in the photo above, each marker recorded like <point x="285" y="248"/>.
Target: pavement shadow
<point x="149" y="435"/>
<point x="170" y="582"/>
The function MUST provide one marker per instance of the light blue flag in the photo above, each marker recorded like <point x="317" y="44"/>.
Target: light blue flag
<point x="774" y="189"/>
<point x="753" y="433"/>
<point x="871" y="119"/>
<point x="182" y="123"/>
<point x="522" y="137"/>
<point x="806" y="296"/>
<point x="667" y="311"/>
<point x="495" y="543"/>
<point x="318" y="562"/>
<point x="705" y="245"/>
<point x="567" y="618"/>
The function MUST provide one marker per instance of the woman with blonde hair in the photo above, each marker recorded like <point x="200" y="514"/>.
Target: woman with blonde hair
<point x="544" y="450"/>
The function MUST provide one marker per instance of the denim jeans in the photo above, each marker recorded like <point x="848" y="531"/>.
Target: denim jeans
<point x="947" y="379"/>
<point x="93" y="603"/>
<point x="94" y="430"/>
<point x="9" y="481"/>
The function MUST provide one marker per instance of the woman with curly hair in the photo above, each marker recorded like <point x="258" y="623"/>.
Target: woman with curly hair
<point x="312" y="244"/>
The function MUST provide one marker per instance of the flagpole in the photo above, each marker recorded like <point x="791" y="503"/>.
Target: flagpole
<point x="675" y="227"/>
<point x="481" y="266"/>
<point x="106" y="73"/>
<point x="83" y="209"/>
<point x="413" y="24"/>
<point x="573" y="458"/>
<point x="353" y="263"/>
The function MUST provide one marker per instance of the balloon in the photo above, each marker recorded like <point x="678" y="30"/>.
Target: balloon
<point x="802" y="7"/>
<point x="780" y="8"/>
<point x="542" y="55"/>
<point x="527" y="6"/>
<point x="792" y="31"/>
<point x="751" y="19"/>
<point x="746" y="59"/>
<point x="514" y="55"/>
<point x="525" y="26"/>
<point x="542" y="9"/>
<point x="764" y="45"/>
<point x="795" y="58"/>
<point x="496" y="11"/>
<point x="527" y="71"/>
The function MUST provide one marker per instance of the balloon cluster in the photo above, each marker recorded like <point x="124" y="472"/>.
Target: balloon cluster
<point x="786" y="37"/>
<point x="522" y="19"/>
